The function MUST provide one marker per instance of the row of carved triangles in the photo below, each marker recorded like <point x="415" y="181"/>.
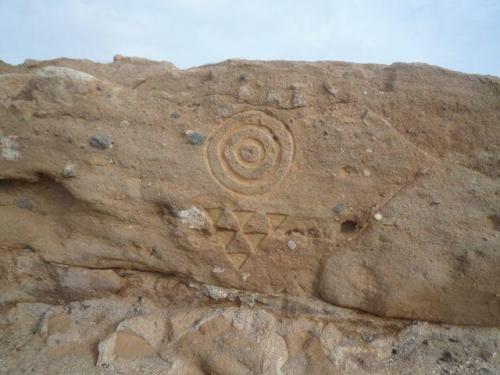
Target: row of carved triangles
<point x="252" y="222"/>
<point x="241" y="232"/>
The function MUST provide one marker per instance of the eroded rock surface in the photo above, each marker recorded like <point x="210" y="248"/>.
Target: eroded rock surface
<point x="247" y="218"/>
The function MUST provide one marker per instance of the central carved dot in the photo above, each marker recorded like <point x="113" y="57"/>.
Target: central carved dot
<point x="250" y="152"/>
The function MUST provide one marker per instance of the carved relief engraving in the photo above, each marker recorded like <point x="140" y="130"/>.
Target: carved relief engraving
<point x="250" y="153"/>
<point x="241" y="232"/>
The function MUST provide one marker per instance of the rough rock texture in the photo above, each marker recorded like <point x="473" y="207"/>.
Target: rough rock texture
<point x="248" y="218"/>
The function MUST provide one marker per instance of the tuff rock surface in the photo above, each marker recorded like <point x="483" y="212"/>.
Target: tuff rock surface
<point x="248" y="218"/>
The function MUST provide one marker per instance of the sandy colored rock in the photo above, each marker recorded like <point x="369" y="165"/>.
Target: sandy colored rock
<point x="235" y="218"/>
<point x="400" y="269"/>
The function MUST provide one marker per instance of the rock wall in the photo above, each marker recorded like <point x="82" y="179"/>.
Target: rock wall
<point x="248" y="217"/>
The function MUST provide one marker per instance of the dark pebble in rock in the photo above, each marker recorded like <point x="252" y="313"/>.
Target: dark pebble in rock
<point x="339" y="208"/>
<point x="446" y="357"/>
<point x="196" y="138"/>
<point x="100" y="141"/>
<point x="23" y="202"/>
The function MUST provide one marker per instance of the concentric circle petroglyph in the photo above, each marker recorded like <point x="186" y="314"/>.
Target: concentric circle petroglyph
<point x="250" y="153"/>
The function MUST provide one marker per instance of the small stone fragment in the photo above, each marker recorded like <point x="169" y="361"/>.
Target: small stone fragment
<point x="218" y="270"/>
<point x="292" y="245"/>
<point x="367" y="173"/>
<point x="378" y="216"/>
<point x="216" y="293"/>
<point x="339" y="208"/>
<point x="10" y="148"/>
<point x="297" y="101"/>
<point x="100" y="141"/>
<point x="69" y="171"/>
<point x="193" y="217"/>
<point x="195" y="138"/>
<point x="248" y="299"/>
<point x="330" y="88"/>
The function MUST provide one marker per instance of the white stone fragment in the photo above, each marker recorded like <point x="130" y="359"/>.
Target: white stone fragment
<point x="69" y="170"/>
<point x="193" y="217"/>
<point x="218" y="270"/>
<point x="292" y="245"/>
<point x="216" y="293"/>
<point x="10" y="148"/>
<point x="378" y="216"/>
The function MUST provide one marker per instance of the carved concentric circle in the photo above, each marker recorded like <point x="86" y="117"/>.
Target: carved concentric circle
<point x="250" y="153"/>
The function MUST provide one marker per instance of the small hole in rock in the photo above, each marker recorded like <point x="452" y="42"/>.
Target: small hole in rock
<point x="348" y="226"/>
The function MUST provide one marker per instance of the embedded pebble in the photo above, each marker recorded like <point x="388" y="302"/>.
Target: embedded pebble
<point x="378" y="216"/>
<point x="367" y="173"/>
<point x="195" y="138"/>
<point x="216" y="293"/>
<point x="297" y="101"/>
<point x="193" y="217"/>
<point x="338" y="208"/>
<point x="69" y="171"/>
<point x="248" y="299"/>
<point x="100" y="141"/>
<point x="10" y="148"/>
<point x="292" y="245"/>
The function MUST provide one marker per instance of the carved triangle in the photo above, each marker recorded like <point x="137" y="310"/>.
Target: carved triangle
<point x="238" y="259"/>
<point x="223" y="237"/>
<point x="208" y="226"/>
<point x="214" y="213"/>
<point x="255" y="239"/>
<point x="258" y="223"/>
<point x="239" y="244"/>
<point x="276" y="220"/>
<point x="243" y="216"/>
<point x="228" y="220"/>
